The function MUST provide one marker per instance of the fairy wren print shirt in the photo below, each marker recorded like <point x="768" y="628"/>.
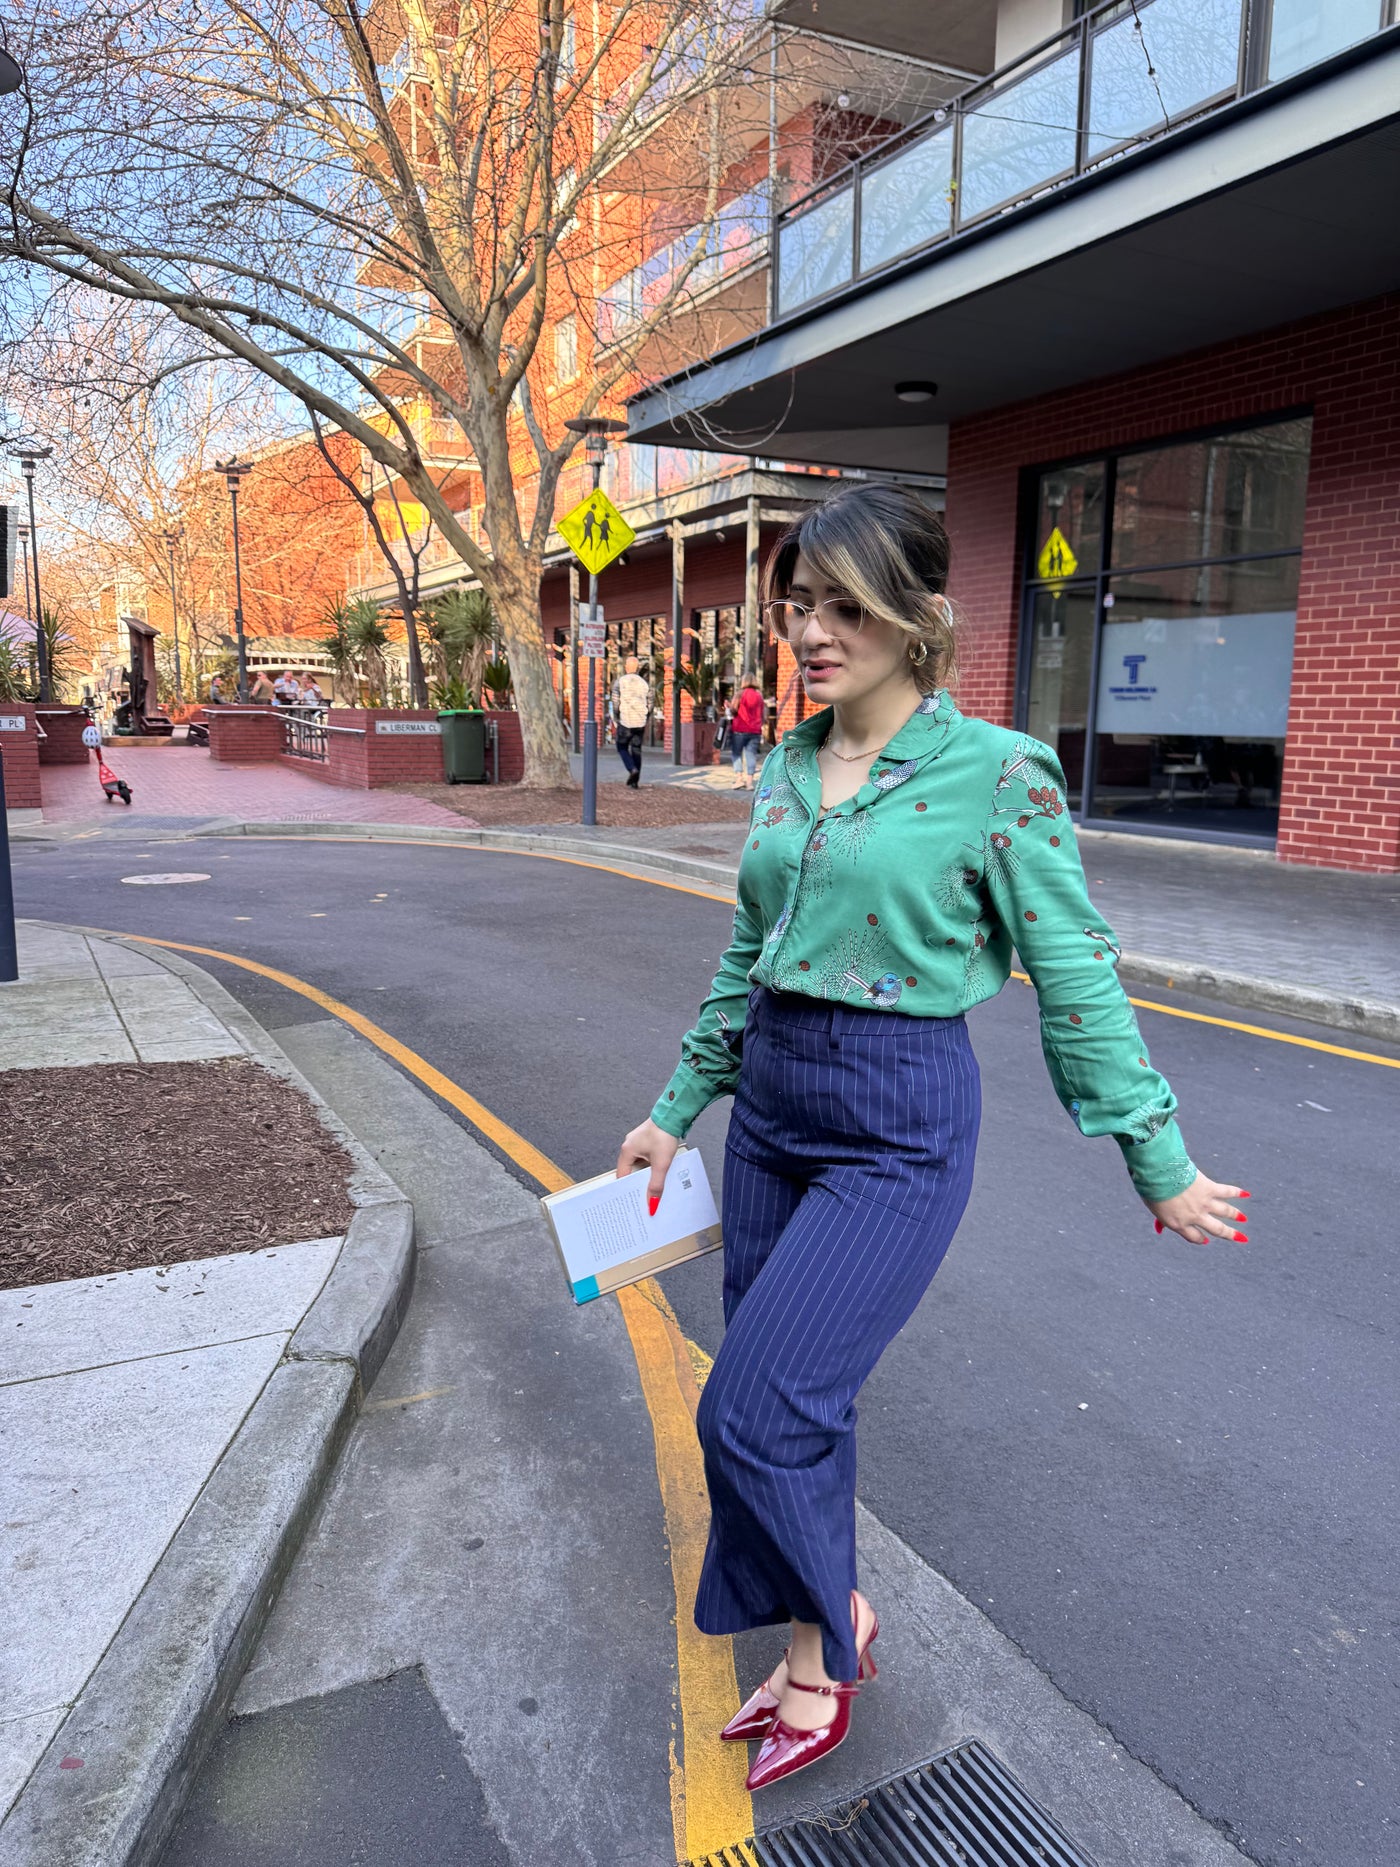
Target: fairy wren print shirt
<point x="910" y="896"/>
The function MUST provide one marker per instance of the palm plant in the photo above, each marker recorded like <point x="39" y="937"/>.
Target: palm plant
<point x="364" y="628"/>
<point x="62" y="652"/>
<point x="697" y="679"/>
<point x="341" y="652"/>
<point x="496" y="677"/>
<point x="14" y="676"/>
<point x="462" y="631"/>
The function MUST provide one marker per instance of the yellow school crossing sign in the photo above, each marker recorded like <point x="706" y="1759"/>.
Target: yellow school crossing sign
<point x="597" y="531"/>
<point x="1056" y="560"/>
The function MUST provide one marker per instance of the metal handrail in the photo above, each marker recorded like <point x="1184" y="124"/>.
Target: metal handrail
<point x="950" y="120"/>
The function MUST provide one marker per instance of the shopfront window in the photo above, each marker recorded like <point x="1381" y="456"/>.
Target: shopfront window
<point x="1161" y="599"/>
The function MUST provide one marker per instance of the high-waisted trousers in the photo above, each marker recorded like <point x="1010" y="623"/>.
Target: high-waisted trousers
<point x="847" y="1168"/>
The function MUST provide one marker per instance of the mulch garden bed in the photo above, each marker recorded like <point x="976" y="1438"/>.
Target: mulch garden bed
<point x="114" y="1166"/>
<point x="649" y="807"/>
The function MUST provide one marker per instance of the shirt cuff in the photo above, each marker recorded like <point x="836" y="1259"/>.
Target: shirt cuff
<point x="685" y="1097"/>
<point x="1160" y="1168"/>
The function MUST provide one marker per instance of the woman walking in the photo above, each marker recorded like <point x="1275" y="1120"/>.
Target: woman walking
<point x="897" y="852"/>
<point x="745" y="731"/>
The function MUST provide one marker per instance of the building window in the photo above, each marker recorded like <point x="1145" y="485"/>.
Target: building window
<point x="1161" y="596"/>
<point x="566" y="349"/>
<point x="565" y="188"/>
<point x="568" y="51"/>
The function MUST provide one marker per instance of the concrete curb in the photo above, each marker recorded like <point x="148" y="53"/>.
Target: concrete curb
<point x="142" y="1723"/>
<point x="1377" y="1019"/>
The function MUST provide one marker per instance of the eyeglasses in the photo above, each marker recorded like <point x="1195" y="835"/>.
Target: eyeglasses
<point x="836" y="616"/>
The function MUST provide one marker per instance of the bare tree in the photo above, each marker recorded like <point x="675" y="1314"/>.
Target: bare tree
<point x="381" y="211"/>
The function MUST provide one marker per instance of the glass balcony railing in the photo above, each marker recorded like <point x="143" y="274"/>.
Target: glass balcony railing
<point x="736" y="238"/>
<point x="1127" y="72"/>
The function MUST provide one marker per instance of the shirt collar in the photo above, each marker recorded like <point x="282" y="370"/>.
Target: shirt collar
<point x="925" y="731"/>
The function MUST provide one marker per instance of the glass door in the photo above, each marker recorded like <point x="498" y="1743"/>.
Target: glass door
<point x="1158" y="622"/>
<point x="1057" y="692"/>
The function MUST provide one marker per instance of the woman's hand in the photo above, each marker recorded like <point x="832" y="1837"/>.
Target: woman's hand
<point x="648" y="1146"/>
<point x="1204" y="1211"/>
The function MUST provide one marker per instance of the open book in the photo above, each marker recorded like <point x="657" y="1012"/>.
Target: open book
<point x="606" y="1238"/>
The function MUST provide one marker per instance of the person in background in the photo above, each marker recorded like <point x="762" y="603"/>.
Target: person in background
<point x="286" y="690"/>
<point x="312" y="699"/>
<point x="216" y="691"/>
<point x="260" y="688"/>
<point x="745" y="731"/>
<point x="631" y="698"/>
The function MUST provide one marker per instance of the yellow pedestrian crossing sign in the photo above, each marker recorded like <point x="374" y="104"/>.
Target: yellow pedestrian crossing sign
<point x="596" y="530"/>
<point x="1056" y="560"/>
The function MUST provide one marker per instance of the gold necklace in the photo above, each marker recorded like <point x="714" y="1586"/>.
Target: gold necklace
<point x="849" y="758"/>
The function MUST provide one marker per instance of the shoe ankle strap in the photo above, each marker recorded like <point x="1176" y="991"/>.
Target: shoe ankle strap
<point x="827" y="1691"/>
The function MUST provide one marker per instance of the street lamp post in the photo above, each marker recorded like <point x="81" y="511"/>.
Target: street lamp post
<point x="595" y="429"/>
<point x="23" y="531"/>
<point x="172" y="538"/>
<point x="233" y="471"/>
<point x="28" y="454"/>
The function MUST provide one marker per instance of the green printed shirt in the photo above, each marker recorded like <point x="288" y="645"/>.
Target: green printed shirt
<point x="910" y="896"/>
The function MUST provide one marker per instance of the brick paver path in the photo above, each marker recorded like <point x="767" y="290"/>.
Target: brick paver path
<point x="183" y="784"/>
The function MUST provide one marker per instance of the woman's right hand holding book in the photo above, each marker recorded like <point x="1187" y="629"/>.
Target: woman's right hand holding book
<point x="648" y="1146"/>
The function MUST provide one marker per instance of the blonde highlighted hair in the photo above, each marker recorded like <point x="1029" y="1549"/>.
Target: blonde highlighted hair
<point x="885" y="548"/>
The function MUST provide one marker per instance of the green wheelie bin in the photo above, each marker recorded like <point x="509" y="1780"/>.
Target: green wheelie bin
<point x="463" y="745"/>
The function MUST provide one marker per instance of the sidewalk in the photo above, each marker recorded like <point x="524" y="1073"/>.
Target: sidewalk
<point x="164" y="1433"/>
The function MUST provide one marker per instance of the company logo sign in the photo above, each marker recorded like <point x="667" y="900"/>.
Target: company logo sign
<point x="1133" y="688"/>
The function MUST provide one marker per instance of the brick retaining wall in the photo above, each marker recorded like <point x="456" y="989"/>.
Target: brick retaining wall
<point x="63" y="735"/>
<point x="244" y="735"/>
<point x="20" y="748"/>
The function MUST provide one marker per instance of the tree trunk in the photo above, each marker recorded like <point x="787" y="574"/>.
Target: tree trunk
<point x="516" y="599"/>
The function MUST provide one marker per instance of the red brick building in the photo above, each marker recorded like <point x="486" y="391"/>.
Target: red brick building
<point x="1149" y="324"/>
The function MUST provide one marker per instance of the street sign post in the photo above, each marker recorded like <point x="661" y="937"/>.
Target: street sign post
<point x="592" y="633"/>
<point x="598" y="533"/>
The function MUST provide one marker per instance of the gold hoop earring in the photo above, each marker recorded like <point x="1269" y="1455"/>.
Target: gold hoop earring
<point x="921" y="656"/>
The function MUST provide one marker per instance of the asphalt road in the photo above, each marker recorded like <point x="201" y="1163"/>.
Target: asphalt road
<point x="1168" y="1474"/>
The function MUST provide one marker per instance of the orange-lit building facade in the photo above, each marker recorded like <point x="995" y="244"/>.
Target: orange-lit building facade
<point x="799" y="110"/>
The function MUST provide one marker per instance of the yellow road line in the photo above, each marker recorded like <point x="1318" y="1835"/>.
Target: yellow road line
<point x="1253" y="1030"/>
<point x="710" y="1807"/>
<point x="487" y="849"/>
<point x="653" y="881"/>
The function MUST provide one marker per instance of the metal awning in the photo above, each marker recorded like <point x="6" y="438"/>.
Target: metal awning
<point x="1273" y="208"/>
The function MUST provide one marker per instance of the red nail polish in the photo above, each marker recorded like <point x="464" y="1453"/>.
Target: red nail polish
<point x="1240" y="1239"/>
<point x="1158" y="1224"/>
<point x="1242" y="1195"/>
<point x="653" y="1201"/>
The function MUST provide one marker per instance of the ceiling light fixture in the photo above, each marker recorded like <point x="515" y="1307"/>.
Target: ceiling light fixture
<point x="916" y="391"/>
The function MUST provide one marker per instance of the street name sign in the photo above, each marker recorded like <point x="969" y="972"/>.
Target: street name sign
<point x="12" y="722"/>
<point x="1056" y="560"/>
<point x="408" y="726"/>
<point x="592" y="633"/>
<point x="596" y="531"/>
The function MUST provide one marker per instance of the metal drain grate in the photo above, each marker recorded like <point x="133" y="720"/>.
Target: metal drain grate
<point x="960" y="1809"/>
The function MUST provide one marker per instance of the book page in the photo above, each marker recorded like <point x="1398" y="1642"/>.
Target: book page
<point x="604" y="1222"/>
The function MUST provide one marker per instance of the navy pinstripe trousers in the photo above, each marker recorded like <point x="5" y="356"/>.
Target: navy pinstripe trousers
<point x="847" y="1169"/>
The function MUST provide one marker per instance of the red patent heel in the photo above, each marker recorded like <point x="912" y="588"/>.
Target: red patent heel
<point x="785" y="1750"/>
<point x="754" y="1717"/>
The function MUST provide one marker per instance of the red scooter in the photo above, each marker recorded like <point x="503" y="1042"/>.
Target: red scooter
<point x="111" y="783"/>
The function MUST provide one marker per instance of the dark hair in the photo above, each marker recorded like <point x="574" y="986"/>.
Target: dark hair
<point x="885" y="547"/>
